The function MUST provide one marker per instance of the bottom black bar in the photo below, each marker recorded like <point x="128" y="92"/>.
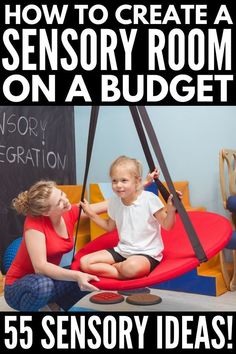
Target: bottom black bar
<point x="103" y="331"/>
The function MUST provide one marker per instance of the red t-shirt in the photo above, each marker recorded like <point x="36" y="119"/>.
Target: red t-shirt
<point x="56" y="246"/>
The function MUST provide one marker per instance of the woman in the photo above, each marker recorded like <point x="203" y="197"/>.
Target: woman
<point x="35" y="278"/>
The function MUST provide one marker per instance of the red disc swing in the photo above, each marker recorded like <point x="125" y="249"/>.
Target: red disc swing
<point x="214" y="231"/>
<point x="195" y="238"/>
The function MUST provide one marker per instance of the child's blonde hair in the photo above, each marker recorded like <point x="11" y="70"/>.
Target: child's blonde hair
<point x="34" y="202"/>
<point x="133" y="166"/>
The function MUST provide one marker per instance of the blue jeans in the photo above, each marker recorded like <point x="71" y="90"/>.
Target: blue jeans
<point x="34" y="291"/>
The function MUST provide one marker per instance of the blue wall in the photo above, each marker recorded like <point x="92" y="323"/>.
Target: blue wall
<point x="190" y="138"/>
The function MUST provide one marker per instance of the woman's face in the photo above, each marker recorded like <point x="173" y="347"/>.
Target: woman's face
<point x="58" y="202"/>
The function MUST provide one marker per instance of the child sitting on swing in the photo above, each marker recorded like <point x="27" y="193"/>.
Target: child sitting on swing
<point x="138" y="216"/>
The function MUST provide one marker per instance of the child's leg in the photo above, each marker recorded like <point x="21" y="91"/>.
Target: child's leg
<point x="136" y="266"/>
<point x="100" y="263"/>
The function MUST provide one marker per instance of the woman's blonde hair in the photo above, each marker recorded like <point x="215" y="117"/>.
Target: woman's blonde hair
<point x="134" y="167"/>
<point x="34" y="202"/>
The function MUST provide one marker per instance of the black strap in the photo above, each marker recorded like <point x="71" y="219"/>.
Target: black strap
<point x="197" y="247"/>
<point x="92" y="129"/>
<point x="142" y="137"/>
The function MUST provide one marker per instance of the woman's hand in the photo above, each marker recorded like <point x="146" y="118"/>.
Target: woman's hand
<point x="84" y="281"/>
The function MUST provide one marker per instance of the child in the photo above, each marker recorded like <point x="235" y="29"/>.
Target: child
<point x="138" y="216"/>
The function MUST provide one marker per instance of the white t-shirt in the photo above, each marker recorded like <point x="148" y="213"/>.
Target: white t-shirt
<point x="139" y="231"/>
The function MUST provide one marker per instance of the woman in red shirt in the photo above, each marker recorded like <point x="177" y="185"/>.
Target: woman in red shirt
<point x="35" y="278"/>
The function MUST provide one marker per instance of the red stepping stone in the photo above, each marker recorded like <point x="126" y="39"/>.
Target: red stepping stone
<point x="106" y="297"/>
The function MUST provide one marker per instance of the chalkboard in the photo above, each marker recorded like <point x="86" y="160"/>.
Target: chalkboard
<point x="35" y="143"/>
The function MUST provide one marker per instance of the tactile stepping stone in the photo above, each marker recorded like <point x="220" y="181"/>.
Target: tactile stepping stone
<point x="106" y="298"/>
<point x="143" y="299"/>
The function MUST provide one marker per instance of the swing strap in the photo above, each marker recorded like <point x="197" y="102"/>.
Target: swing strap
<point x="142" y="137"/>
<point x="197" y="247"/>
<point x="92" y="129"/>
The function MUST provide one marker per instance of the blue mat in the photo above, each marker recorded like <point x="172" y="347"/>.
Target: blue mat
<point x="81" y="309"/>
<point x="190" y="282"/>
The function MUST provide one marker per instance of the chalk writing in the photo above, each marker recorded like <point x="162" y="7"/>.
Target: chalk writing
<point x="13" y="125"/>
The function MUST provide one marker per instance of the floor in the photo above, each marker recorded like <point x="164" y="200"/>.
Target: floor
<point x="171" y="301"/>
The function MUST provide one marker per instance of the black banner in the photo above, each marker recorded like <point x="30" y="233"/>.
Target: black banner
<point x="101" y="331"/>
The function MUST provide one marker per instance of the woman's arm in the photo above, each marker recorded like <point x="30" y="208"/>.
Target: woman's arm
<point x="36" y="246"/>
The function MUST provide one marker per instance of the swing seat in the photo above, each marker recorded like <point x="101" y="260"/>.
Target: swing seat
<point x="214" y="232"/>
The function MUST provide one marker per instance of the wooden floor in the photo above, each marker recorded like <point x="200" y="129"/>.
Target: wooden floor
<point x="171" y="301"/>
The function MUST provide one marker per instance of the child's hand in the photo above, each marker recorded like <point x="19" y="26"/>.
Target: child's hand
<point x="87" y="208"/>
<point x="180" y="195"/>
<point x="151" y="176"/>
<point x="170" y="204"/>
